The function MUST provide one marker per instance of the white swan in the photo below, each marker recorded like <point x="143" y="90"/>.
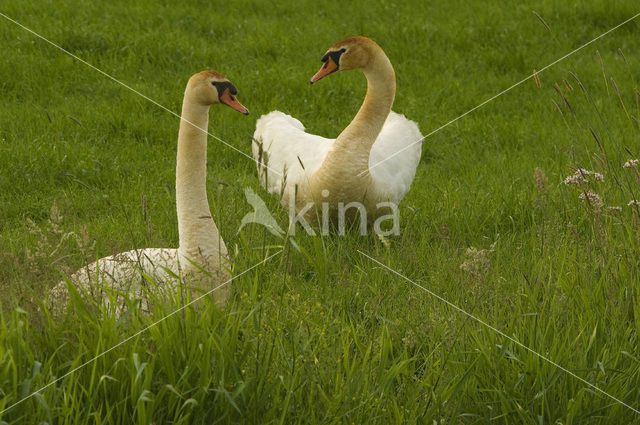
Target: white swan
<point x="317" y="170"/>
<point x="201" y="261"/>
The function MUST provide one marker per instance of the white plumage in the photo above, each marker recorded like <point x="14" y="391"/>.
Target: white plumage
<point x="134" y="273"/>
<point x="282" y="147"/>
<point x="288" y="147"/>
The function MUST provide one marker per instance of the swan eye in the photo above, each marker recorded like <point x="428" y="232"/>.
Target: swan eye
<point x="335" y="55"/>
<point x="222" y="85"/>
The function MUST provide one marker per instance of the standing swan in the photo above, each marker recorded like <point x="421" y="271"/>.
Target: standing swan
<point x="201" y="261"/>
<point x="317" y="170"/>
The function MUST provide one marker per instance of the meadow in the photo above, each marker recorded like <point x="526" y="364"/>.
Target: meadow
<point x="323" y="334"/>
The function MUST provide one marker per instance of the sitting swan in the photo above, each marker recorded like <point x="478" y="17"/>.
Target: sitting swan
<point x="201" y="261"/>
<point x="312" y="169"/>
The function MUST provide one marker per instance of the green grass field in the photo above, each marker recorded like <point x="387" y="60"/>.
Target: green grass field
<point x="324" y="334"/>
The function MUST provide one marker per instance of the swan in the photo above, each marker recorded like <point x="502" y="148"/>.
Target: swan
<point x="201" y="260"/>
<point x="306" y="169"/>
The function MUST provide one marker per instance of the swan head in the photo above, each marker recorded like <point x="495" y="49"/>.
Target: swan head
<point x="351" y="53"/>
<point x="211" y="87"/>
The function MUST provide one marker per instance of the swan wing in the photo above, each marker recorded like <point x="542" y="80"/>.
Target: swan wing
<point x="123" y="273"/>
<point x="125" y="267"/>
<point x="284" y="153"/>
<point x="394" y="157"/>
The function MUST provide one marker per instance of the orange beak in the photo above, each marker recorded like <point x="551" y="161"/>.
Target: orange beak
<point x="329" y="67"/>
<point x="230" y="100"/>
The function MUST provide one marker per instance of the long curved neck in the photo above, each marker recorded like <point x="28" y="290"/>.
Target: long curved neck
<point x="199" y="236"/>
<point x="363" y="130"/>
<point x="352" y="147"/>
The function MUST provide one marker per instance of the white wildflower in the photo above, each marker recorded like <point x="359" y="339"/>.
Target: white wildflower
<point x="631" y="163"/>
<point x="593" y="199"/>
<point x="615" y="208"/>
<point x="634" y="202"/>
<point x="477" y="261"/>
<point x="580" y="176"/>
<point x="575" y="179"/>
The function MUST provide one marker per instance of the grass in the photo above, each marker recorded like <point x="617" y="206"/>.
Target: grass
<point x="325" y="335"/>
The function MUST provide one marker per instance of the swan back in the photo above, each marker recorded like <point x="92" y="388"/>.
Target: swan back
<point x="130" y="273"/>
<point x="285" y="154"/>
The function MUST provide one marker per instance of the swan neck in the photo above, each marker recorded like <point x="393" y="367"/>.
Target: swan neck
<point x="350" y="154"/>
<point x="381" y="90"/>
<point x="199" y="236"/>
